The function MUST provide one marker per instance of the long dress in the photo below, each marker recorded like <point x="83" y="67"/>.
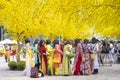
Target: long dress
<point x="7" y="54"/>
<point x="95" y="49"/>
<point x="86" y="69"/>
<point x="43" y="59"/>
<point x="57" y="59"/>
<point x="37" y="56"/>
<point x="29" y="62"/>
<point x="66" y="68"/>
<point x="49" y="53"/>
<point x="78" y="60"/>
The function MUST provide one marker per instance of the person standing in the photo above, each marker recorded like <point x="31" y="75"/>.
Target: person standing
<point x="14" y="52"/>
<point x="78" y="58"/>
<point x="7" y="53"/>
<point x="49" y="53"/>
<point x="105" y="52"/>
<point x="95" y="50"/>
<point x="42" y="51"/>
<point x="37" y="54"/>
<point x="57" y="57"/>
<point x="29" y="63"/>
<point x="66" y="68"/>
<point x="86" y="69"/>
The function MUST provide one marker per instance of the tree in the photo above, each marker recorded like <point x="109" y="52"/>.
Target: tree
<point x="66" y="18"/>
<point x="19" y="18"/>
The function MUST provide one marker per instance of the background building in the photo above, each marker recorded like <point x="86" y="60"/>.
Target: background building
<point x="2" y="32"/>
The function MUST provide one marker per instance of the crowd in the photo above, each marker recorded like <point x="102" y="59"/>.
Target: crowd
<point x="68" y="57"/>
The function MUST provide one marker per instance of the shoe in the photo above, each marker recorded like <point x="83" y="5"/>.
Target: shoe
<point x="95" y="71"/>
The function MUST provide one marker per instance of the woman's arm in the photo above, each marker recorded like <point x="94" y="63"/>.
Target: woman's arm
<point x="57" y="49"/>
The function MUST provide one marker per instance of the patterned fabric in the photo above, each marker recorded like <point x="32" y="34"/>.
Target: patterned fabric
<point x="86" y="65"/>
<point x="66" y="69"/>
<point x="78" y="60"/>
<point x="78" y="70"/>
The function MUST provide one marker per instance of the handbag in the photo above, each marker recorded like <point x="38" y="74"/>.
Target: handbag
<point x="67" y="52"/>
<point x="71" y="55"/>
<point x="83" y="59"/>
<point x="57" y="58"/>
<point x="92" y="56"/>
<point x="34" y="72"/>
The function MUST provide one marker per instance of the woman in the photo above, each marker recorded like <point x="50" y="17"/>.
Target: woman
<point x="57" y="57"/>
<point x="29" y="62"/>
<point x="77" y="58"/>
<point x="42" y="51"/>
<point x="66" y="69"/>
<point x="49" y="53"/>
<point x="95" y="50"/>
<point x="14" y="51"/>
<point x="72" y="59"/>
<point x="86" y="69"/>
<point x="37" y="54"/>
<point x="7" y="53"/>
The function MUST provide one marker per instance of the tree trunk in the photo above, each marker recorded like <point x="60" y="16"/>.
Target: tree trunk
<point x="18" y="50"/>
<point x="18" y="45"/>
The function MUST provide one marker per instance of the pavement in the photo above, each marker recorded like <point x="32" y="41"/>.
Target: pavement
<point x="105" y="73"/>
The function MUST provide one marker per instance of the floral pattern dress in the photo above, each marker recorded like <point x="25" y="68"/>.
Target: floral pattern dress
<point x="78" y="60"/>
<point x="86" y="69"/>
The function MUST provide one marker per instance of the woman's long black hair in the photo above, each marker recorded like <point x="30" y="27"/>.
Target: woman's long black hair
<point x="55" y="42"/>
<point x="35" y="42"/>
<point x="41" y="42"/>
<point x="27" y="40"/>
<point x="76" y="42"/>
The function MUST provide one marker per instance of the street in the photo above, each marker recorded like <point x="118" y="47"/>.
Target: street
<point x="105" y="73"/>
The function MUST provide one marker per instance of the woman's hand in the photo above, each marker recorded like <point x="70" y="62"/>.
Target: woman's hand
<point x="44" y="53"/>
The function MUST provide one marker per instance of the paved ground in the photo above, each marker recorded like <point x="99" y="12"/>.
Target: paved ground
<point x="106" y="73"/>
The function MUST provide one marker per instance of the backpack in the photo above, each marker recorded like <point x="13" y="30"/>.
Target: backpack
<point x="34" y="72"/>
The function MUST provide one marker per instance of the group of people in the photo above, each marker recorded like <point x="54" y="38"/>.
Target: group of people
<point x="10" y="51"/>
<point x="54" y="58"/>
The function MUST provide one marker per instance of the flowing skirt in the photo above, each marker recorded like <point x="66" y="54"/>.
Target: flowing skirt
<point x="50" y="66"/>
<point x="78" y="70"/>
<point x="66" y="69"/>
<point x="86" y="69"/>
<point x="44" y="64"/>
<point x="95" y="62"/>
<point x="8" y="55"/>
<point x="27" y="71"/>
